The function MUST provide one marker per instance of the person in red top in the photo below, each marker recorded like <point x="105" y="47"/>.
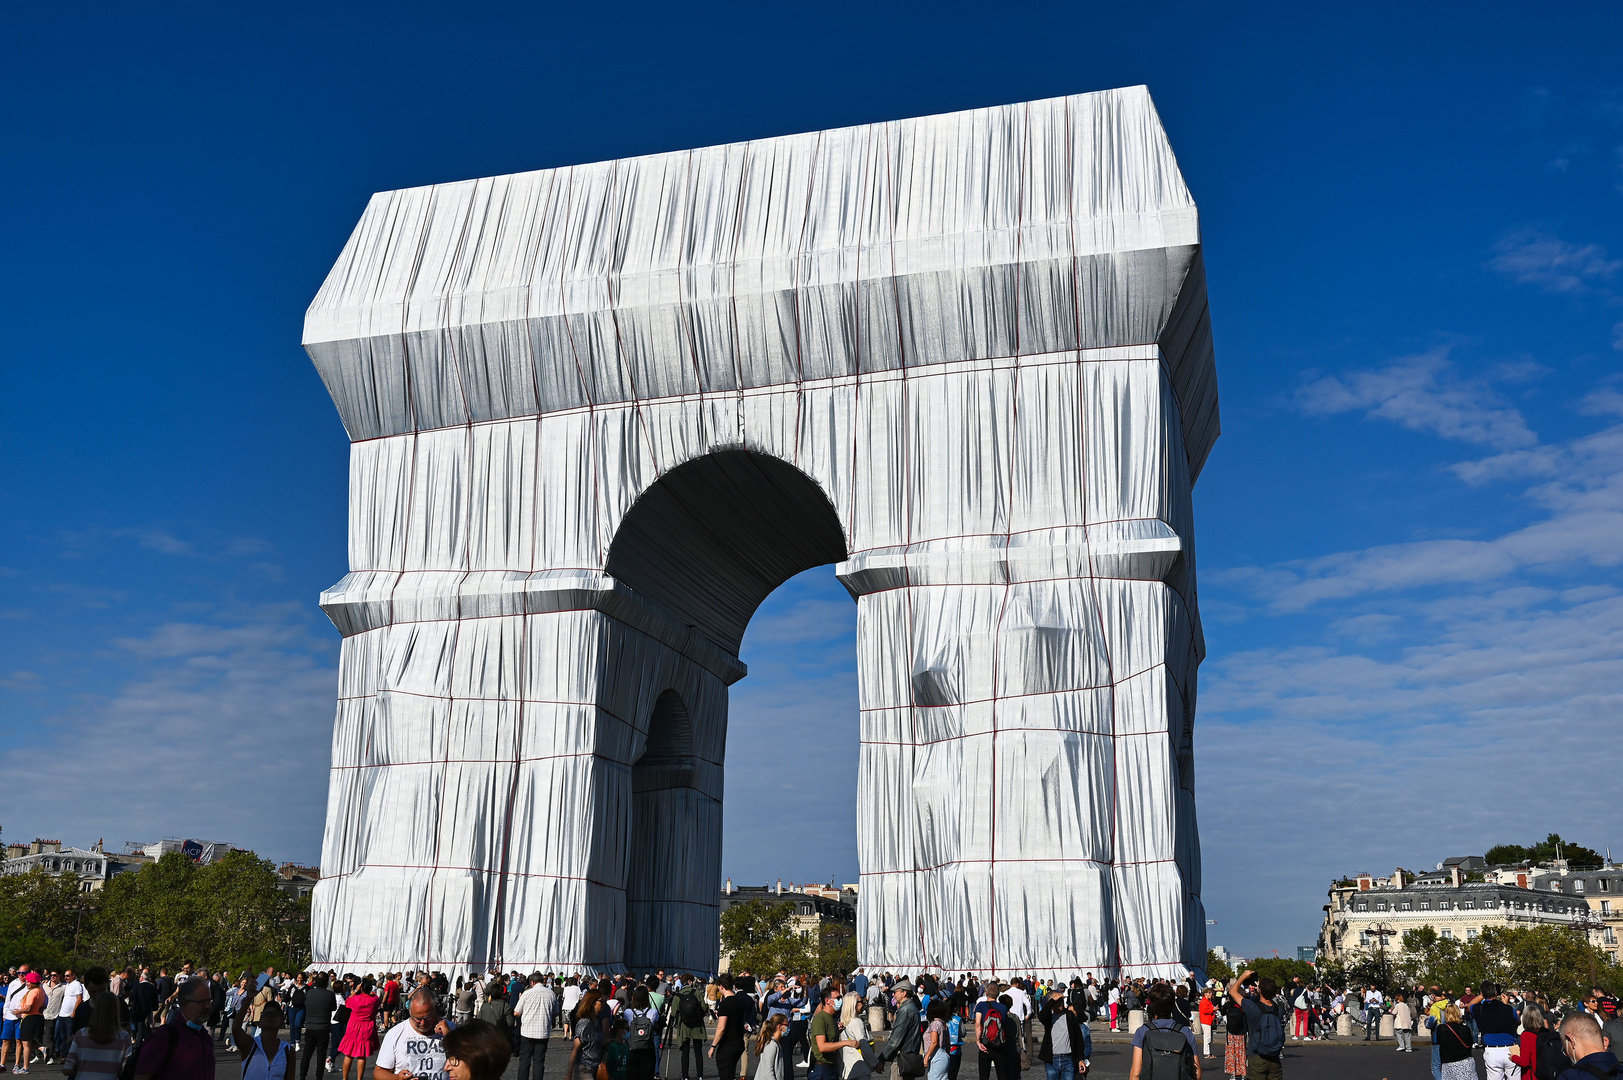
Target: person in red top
<point x="1527" y="1054"/>
<point x="1208" y="1020"/>
<point x="391" y="999"/>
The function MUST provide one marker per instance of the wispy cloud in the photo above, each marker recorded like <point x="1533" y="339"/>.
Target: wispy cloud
<point x="1536" y="257"/>
<point x="1422" y="393"/>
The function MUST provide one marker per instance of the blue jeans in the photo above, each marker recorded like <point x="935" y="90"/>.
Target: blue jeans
<point x="295" y="1024"/>
<point x="60" y="1034"/>
<point x="940" y="1062"/>
<point x="1436" y="1062"/>
<point x="818" y="1071"/>
<point x="1061" y="1068"/>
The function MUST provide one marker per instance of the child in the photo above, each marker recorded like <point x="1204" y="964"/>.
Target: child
<point x="614" y="1055"/>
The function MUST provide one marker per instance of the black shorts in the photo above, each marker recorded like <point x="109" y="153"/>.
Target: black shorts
<point x="32" y="1029"/>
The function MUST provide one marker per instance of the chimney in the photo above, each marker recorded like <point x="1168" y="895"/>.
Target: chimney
<point x="1521" y="881"/>
<point x="780" y="886"/>
<point x="1365" y="883"/>
<point x="1455" y="878"/>
<point x="728" y="888"/>
<point x="1399" y="879"/>
<point x="16" y="851"/>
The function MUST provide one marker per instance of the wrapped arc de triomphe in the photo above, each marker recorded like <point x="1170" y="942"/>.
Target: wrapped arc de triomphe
<point x="599" y="412"/>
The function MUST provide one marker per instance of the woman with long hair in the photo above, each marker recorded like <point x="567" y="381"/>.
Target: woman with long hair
<point x="853" y="1065"/>
<point x="770" y="1062"/>
<point x="361" y="1035"/>
<point x="1454" y="1041"/>
<point x="587" y="1038"/>
<point x="98" y="1052"/>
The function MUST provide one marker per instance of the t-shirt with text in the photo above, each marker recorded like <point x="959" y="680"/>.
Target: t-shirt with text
<point x="404" y="1047"/>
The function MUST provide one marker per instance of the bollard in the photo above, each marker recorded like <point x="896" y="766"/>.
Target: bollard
<point x="1135" y="1020"/>
<point x="1388" y="1029"/>
<point x="1344" y="1024"/>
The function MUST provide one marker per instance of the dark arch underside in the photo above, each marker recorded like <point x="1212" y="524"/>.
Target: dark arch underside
<point x="712" y="538"/>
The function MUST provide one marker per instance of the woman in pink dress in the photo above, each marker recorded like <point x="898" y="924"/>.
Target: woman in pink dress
<point x="361" y="1036"/>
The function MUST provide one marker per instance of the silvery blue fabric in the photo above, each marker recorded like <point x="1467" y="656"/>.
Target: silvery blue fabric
<point x="598" y="412"/>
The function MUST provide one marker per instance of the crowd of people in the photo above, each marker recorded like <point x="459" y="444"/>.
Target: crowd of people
<point x="139" y="1025"/>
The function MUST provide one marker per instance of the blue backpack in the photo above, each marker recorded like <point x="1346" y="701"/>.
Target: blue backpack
<point x="1267" y="1031"/>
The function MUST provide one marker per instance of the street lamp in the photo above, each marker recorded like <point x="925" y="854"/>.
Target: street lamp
<point x="1382" y="931"/>
<point x="1587" y="920"/>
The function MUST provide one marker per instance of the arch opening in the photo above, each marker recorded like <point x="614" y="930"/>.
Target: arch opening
<point x="713" y="537"/>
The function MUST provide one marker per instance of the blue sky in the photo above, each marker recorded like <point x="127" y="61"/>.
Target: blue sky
<point x="1409" y="534"/>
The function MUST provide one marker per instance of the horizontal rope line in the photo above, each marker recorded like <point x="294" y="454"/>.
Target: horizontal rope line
<point x="993" y="862"/>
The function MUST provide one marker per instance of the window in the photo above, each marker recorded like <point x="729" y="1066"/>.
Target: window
<point x="1447" y="933"/>
<point x="1425" y="905"/>
<point x="1578" y="885"/>
<point x="1381" y="906"/>
<point x="1363" y="937"/>
<point x="1468" y="905"/>
<point x="1610" y="936"/>
<point x="1406" y="906"/>
<point x="1470" y="935"/>
<point x="1442" y="905"/>
<point x="1605" y="907"/>
<point x="1603" y="883"/>
<point x="1363" y="906"/>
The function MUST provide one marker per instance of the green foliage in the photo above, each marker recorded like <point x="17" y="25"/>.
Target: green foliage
<point x="1554" y="960"/>
<point x="1282" y="969"/>
<point x="836" y="949"/>
<point x="1551" y="848"/>
<point x="1217" y="969"/>
<point x="759" y="936"/>
<point x="227" y="915"/>
<point x="37" y="917"/>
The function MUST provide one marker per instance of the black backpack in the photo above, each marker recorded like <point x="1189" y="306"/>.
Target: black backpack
<point x="1166" y="1053"/>
<point x="689" y="1010"/>
<point x="1551" y="1060"/>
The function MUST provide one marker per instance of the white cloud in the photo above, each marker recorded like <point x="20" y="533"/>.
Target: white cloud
<point x="1536" y="257"/>
<point x="1423" y="393"/>
<point x="224" y="734"/>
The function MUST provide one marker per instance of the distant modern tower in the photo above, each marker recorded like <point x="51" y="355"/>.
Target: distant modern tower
<point x="599" y="412"/>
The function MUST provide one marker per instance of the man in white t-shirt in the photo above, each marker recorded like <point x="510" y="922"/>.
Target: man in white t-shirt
<point x="414" y="1048"/>
<point x="535" y="1010"/>
<point x="1022" y="1015"/>
<point x="73" y="992"/>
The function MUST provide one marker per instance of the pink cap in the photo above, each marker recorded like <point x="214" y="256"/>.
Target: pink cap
<point x="32" y="976"/>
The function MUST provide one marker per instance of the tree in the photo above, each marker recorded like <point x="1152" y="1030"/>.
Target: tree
<point x="1505" y="855"/>
<point x="836" y="949"/>
<point x="1282" y="969"/>
<point x="1578" y="857"/>
<point x="37" y="914"/>
<point x="1217" y="969"/>
<point x="760" y="936"/>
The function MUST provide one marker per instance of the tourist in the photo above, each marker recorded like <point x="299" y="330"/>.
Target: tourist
<point x="642" y="1034"/>
<point x="30" y="1021"/>
<point x="184" y="1051"/>
<point x="1454" y="1046"/>
<point x="265" y="1055"/>
<point x="462" y="1011"/>
<point x="10" y="1022"/>
<point x="413" y="1048"/>
<point x="48" y="1049"/>
<point x="319" y="1005"/>
<point x="1206" y="1014"/>
<point x="992" y="1035"/>
<point x="687" y="1020"/>
<point x="617" y="1049"/>
<point x="770" y="1062"/>
<point x="906" y="1032"/>
<point x="936" y="1047"/>
<point x="1264" y="1025"/>
<point x="1020" y="1010"/>
<point x="99" y="1051"/>
<point x="534" y="1010"/>
<point x="727" y="1044"/>
<point x="1113" y="996"/>
<point x="360" y="1038"/>
<point x="1067" y="1045"/>
<point x="1403" y="1023"/>
<point x="825" y="1043"/>
<point x="1163" y="1046"/>
<point x="854" y="1063"/>
<point x="1496" y="1027"/>
<point x="1234" y="1040"/>
<point x="1533" y="1026"/>
<point x="496" y="1011"/>
<point x="477" y="1050"/>
<point x="586" y="1053"/>
<point x="73" y="993"/>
